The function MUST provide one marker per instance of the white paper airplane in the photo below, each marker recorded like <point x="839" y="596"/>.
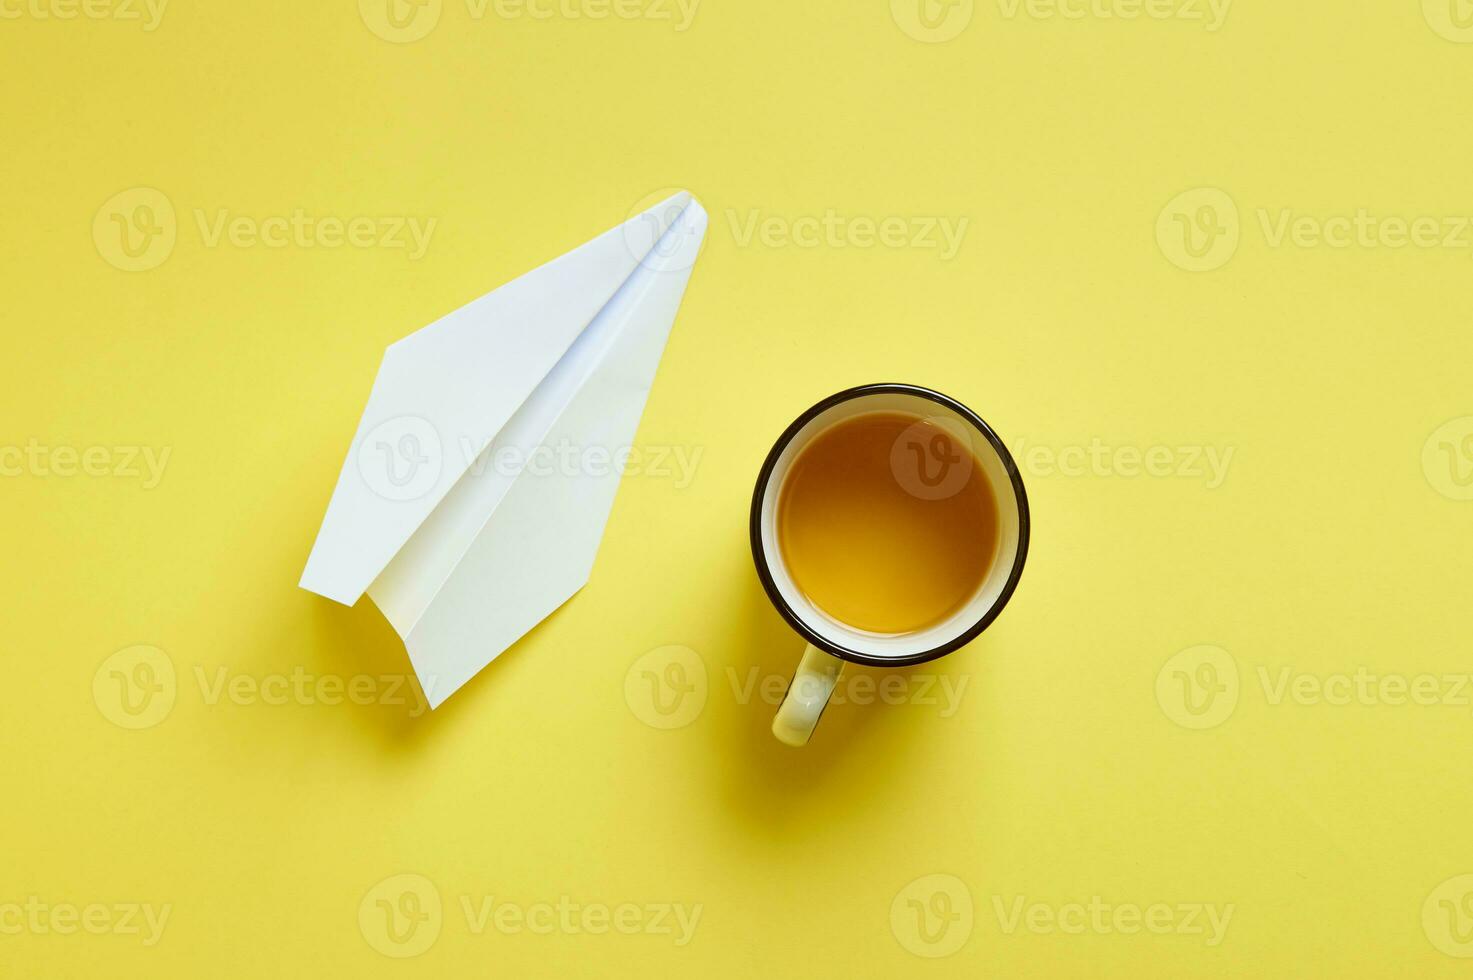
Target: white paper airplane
<point x="447" y="513"/>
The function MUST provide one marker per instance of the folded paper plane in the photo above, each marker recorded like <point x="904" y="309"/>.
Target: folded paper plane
<point x="458" y="510"/>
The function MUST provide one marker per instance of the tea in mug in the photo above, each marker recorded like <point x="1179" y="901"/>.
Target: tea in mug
<point x="887" y="522"/>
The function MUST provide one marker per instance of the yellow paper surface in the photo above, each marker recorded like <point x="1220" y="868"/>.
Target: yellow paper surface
<point x="1208" y="274"/>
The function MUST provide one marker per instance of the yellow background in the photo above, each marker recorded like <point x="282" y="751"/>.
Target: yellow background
<point x="1062" y="319"/>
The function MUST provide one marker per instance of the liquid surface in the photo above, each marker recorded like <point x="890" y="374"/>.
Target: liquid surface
<point x="887" y="523"/>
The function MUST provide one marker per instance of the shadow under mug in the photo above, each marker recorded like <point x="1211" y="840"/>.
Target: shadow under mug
<point x="831" y="642"/>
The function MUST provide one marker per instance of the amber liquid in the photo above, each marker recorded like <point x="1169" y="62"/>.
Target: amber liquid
<point x="877" y="528"/>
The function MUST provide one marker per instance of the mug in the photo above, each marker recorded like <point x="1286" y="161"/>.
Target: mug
<point x="831" y="642"/>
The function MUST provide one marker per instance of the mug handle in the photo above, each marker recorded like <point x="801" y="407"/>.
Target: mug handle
<point x="808" y="694"/>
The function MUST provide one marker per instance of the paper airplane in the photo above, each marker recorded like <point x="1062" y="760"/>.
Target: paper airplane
<point x="452" y="510"/>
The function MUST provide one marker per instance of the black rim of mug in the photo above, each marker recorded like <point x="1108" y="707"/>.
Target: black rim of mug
<point x="759" y="552"/>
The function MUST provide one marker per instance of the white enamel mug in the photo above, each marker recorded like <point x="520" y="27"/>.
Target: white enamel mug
<point x="831" y="642"/>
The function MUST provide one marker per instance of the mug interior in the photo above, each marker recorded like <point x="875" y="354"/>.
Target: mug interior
<point x="894" y="649"/>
